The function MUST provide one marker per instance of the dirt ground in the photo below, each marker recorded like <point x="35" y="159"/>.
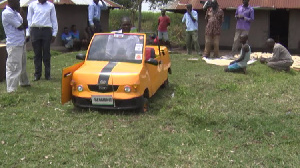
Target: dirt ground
<point x="183" y="51"/>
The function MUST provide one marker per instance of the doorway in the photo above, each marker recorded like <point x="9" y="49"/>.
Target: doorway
<point x="279" y="26"/>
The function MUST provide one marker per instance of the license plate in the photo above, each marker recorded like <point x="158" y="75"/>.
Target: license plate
<point x="102" y="100"/>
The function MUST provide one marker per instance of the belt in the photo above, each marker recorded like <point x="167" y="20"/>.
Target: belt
<point x="41" y="27"/>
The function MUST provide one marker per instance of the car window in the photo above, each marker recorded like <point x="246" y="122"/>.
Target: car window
<point x="117" y="48"/>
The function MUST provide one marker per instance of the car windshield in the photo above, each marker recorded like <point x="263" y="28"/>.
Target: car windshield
<point x="117" y="48"/>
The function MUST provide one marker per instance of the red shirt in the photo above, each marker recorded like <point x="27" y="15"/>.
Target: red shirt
<point x="163" y="23"/>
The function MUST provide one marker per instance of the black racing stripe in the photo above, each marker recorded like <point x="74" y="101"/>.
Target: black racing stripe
<point x="103" y="78"/>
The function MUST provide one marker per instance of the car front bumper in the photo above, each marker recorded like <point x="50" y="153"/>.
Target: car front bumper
<point x="119" y="104"/>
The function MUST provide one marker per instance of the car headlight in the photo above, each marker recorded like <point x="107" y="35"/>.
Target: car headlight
<point x="80" y="88"/>
<point x="127" y="89"/>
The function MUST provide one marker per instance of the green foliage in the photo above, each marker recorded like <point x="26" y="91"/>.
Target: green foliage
<point x="206" y="118"/>
<point x="149" y="22"/>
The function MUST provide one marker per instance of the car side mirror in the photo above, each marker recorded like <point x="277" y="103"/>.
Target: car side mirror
<point x="80" y="56"/>
<point x="152" y="61"/>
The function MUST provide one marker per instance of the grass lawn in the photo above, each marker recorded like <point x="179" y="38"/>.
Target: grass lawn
<point x="206" y="118"/>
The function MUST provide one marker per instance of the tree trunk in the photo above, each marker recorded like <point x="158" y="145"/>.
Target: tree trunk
<point x="140" y="15"/>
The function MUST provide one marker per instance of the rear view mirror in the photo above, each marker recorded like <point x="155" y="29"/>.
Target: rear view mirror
<point x="152" y="61"/>
<point x="80" y="56"/>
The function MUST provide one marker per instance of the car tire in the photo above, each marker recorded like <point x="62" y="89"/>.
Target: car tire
<point x="143" y="106"/>
<point x="165" y="84"/>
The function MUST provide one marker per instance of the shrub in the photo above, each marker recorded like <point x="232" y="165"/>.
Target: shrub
<point x="149" y="23"/>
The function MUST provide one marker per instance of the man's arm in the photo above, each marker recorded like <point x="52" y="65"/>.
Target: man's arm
<point x="24" y="25"/>
<point x="237" y="13"/>
<point x="158" y="21"/>
<point x="275" y="57"/>
<point x="54" y="23"/>
<point x="103" y="6"/>
<point x="222" y="16"/>
<point x="183" y="19"/>
<point x="91" y="14"/>
<point x="206" y="15"/>
<point x="251" y="17"/>
<point x="9" y="19"/>
<point x="29" y="19"/>
<point x="193" y="16"/>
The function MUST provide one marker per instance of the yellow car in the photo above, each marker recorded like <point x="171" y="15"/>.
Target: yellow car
<point x="118" y="72"/>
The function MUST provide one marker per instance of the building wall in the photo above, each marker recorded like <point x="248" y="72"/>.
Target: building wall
<point x="68" y="15"/>
<point x="294" y="31"/>
<point x="259" y="31"/>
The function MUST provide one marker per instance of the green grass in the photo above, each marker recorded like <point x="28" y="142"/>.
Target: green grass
<point x="215" y="119"/>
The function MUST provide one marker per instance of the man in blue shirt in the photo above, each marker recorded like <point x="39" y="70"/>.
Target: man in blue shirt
<point x="94" y="14"/>
<point x="14" y="27"/>
<point x="191" y="21"/>
<point x="75" y="36"/>
<point x="67" y="39"/>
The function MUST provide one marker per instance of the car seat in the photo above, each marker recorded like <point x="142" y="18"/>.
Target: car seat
<point x="150" y="53"/>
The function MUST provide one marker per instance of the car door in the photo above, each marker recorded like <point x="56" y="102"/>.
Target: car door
<point x="66" y="88"/>
<point x="154" y="73"/>
<point x="165" y="63"/>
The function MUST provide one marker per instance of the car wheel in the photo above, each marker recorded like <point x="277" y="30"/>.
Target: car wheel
<point x="143" y="106"/>
<point x="165" y="84"/>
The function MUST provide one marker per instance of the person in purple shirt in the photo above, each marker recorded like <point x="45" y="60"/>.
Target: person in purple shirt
<point x="244" y="15"/>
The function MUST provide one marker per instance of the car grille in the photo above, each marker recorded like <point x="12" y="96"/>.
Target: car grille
<point x="103" y="88"/>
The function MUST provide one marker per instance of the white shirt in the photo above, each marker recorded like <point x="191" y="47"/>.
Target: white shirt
<point x="11" y="20"/>
<point x="190" y="25"/>
<point x="94" y="11"/>
<point x="42" y="15"/>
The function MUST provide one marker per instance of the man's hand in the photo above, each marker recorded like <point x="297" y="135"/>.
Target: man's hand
<point x="263" y="60"/>
<point x="240" y="16"/>
<point x="92" y="27"/>
<point x="53" y="39"/>
<point x="27" y="38"/>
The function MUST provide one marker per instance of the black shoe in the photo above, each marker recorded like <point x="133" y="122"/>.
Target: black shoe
<point x="48" y="78"/>
<point x="36" y="78"/>
<point x="27" y="85"/>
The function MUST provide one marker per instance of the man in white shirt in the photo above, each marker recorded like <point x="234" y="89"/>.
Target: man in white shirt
<point x="191" y="21"/>
<point x="94" y="14"/>
<point x="14" y="28"/>
<point x="42" y="28"/>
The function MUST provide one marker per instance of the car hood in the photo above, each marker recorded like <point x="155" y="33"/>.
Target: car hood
<point x="104" y="72"/>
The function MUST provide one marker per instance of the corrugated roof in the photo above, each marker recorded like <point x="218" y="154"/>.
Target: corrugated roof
<point x="25" y="3"/>
<point x="277" y="4"/>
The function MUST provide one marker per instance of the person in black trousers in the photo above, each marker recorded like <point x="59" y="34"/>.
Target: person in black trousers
<point x="42" y="26"/>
